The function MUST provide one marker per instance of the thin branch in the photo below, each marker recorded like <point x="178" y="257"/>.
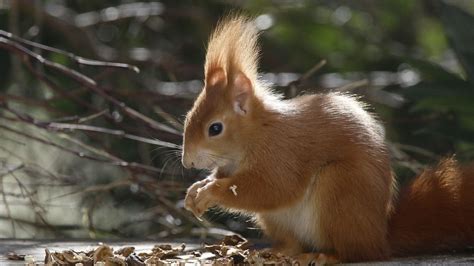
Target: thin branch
<point x="118" y="133"/>
<point x="308" y="74"/>
<point x="79" y="119"/>
<point x="124" y="164"/>
<point x="78" y="59"/>
<point x="124" y="11"/>
<point x="89" y="147"/>
<point x="353" y="85"/>
<point x="295" y="86"/>
<point x="312" y="71"/>
<point x="52" y="229"/>
<point x="84" y="81"/>
<point x="22" y="51"/>
<point x="12" y="170"/>
<point x="39" y="170"/>
<point x="4" y="195"/>
<point x="30" y="102"/>
<point x="64" y="126"/>
<point x="11" y="194"/>
<point x="36" y="207"/>
<point x="168" y="117"/>
<point x="417" y="150"/>
<point x="97" y="188"/>
<point x="91" y="117"/>
<point x="13" y="140"/>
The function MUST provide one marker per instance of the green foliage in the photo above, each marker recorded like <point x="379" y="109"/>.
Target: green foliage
<point x="458" y="27"/>
<point x="443" y="103"/>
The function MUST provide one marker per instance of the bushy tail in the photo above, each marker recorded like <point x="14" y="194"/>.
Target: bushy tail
<point x="435" y="212"/>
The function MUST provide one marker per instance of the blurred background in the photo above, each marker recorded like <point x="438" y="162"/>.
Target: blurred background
<point x="90" y="149"/>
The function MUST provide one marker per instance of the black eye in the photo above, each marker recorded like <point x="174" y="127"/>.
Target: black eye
<point x="215" y="129"/>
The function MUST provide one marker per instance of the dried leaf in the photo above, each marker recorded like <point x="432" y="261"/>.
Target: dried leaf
<point x="125" y="251"/>
<point x="15" y="256"/>
<point x="134" y="260"/>
<point x="102" y="253"/>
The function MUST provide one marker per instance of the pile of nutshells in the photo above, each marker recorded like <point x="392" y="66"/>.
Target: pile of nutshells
<point x="104" y="255"/>
<point x="232" y="250"/>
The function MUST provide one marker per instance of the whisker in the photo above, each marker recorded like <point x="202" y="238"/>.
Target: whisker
<point x="166" y="153"/>
<point x="168" y="148"/>
<point x="164" y="167"/>
<point x="176" y="163"/>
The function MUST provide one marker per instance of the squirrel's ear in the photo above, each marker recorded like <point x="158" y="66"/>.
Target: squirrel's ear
<point x="242" y="90"/>
<point x="216" y="77"/>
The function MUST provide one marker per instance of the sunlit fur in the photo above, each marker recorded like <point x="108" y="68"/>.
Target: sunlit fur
<point x="233" y="47"/>
<point x="314" y="170"/>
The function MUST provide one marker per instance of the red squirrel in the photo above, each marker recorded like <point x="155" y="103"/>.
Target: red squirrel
<point x="314" y="170"/>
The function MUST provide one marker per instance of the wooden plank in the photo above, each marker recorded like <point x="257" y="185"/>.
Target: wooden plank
<point x="36" y="249"/>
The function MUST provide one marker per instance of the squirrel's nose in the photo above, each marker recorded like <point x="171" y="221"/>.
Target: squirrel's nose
<point x="187" y="164"/>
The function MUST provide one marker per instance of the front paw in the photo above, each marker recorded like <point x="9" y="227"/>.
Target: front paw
<point x="191" y="194"/>
<point x="205" y="198"/>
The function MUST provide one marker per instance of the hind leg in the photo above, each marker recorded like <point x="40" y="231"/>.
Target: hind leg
<point x="283" y="240"/>
<point x="286" y="243"/>
<point x="354" y="212"/>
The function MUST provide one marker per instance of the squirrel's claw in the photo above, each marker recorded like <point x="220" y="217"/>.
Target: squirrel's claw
<point x="192" y="198"/>
<point x="204" y="199"/>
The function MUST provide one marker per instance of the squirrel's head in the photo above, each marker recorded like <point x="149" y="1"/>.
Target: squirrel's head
<point x="214" y="128"/>
<point x="214" y="133"/>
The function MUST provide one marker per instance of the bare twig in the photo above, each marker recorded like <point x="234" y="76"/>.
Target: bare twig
<point x="312" y="71"/>
<point x="98" y="188"/>
<point x="353" y="85"/>
<point x="124" y="11"/>
<point x="417" y="150"/>
<point x="30" y="102"/>
<point x="294" y="86"/>
<point x="307" y="74"/>
<point x="118" y="133"/>
<point x="91" y="117"/>
<point x="13" y="140"/>
<point x="124" y="164"/>
<point x="81" y="79"/>
<point x="171" y="120"/>
<point x="79" y="119"/>
<point x="36" y="207"/>
<point x="12" y="194"/>
<point x="75" y="58"/>
<point x="89" y="147"/>
<point x="4" y="195"/>
<point x="52" y="229"/>
<point x="64" y="126"/>
<point x="11" y="170"/>
<point x="36" y="168"/>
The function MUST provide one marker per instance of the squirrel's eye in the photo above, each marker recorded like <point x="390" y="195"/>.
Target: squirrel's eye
<point x="215" y="129"/>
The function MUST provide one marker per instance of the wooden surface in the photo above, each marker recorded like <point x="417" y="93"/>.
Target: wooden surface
<point x="36" y="248"/>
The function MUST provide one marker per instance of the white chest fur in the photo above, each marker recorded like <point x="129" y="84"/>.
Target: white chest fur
<point x="301" y="220"/>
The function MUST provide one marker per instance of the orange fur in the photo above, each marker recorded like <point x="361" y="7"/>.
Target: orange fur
<point x="314" y="171"/>
<point x="436" y="211"/>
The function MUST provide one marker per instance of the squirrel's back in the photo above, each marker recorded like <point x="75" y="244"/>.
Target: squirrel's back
<point x="321" y="122"/>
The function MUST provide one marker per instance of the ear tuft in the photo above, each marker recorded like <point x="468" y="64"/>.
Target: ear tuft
<point x="242" y="90"/>
<point x="216" y="77"/>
